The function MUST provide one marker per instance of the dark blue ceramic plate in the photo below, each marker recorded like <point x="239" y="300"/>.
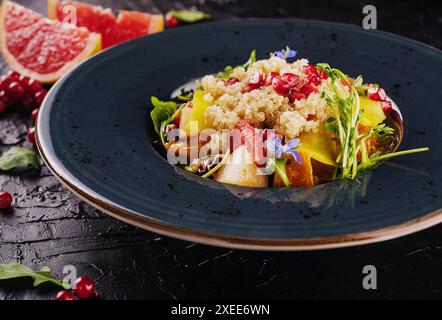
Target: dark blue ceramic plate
<point x="94" y="134"/>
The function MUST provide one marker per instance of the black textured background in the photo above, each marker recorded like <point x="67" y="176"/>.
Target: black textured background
<point x="50" y="227"/>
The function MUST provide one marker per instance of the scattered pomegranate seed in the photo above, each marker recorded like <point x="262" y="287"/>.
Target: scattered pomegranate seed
<point x="377" y="94"/>
<point x="314" y="79"/>
<point x="27" y="102"/>
<point x="291" y="79"/>
<point x="294" y="96"/>
<point x="13" y="76"/>
<point x="34" y="115"/>
<point x="231" y="81"/>
<point x="308" y="89"/>
<point x="171" y="21"/>
<point x="15" y="91"/>
<point x="84" y="287"/>
<point x="31" y="136"/>
<point x="280" y="86"/>
<point x="65" y="295"/>
<point x="256" y="79"/>
<point x="249" y="88"/>
<point x="5" y="200"/>
<point x="33" y="86"/>
<point x="387" y="107"/>
<point x="39" y="96"/>
<point x="4" y="98"/>
<point x="323" y="75"/>
<point x="4" y="83"/>
<point x="310" y="69"/>
<point x="270" y="77"/>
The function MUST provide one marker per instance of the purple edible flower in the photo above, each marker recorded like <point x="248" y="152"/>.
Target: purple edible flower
<point x="275" y="144"/>
<point x="285" y="53"/>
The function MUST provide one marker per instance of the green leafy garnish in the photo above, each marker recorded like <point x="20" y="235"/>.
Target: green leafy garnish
<point x="186" y="97"/>
<point x="16" y="270"/>
<point x="162" y="111"/>
<point x="19" y="158"/>
<point x="163" y="126"/>
<point x="343" y="97"/>
<point x="280" y="170"/>
<point x="189" y="16"/>
<point x="227" y="71"/>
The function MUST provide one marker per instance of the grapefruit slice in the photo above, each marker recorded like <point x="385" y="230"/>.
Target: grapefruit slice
<point x="40" y="48"/>
<point x="114" y="30"/>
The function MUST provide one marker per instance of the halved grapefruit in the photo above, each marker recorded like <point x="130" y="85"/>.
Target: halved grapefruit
<point x="114" y="30"/>
<point x="40" y="48"/>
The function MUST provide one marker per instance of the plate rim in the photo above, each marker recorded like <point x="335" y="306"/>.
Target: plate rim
<point x="237" y="242"/>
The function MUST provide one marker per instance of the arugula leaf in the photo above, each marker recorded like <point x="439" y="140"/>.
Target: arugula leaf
<point x="19" y="158"/>
<point x="169" y="120"/>
<point x="16" y="270"/>
<point x="162" y="111"/>
<point x="189" y="16"/>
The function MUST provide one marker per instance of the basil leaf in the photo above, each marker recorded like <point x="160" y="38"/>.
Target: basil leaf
<point x="16" y="270"/>
<point x="162" y="111"/>
<point x="189" y="16"/>
<point x="19" y="158"/>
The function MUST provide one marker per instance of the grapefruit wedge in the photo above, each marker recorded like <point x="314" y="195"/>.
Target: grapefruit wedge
<point x="41" y="48"/>
<point x="114" y="30"/>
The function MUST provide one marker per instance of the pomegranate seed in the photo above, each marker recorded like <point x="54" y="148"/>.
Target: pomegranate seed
<point x="322" y="75"/>
<point x="270" y="78"/>
<point x="84" y="287"/>
<point x="294" y="96"/>
<point x="291" y="79"/>
<point x="308" y="89"/>
<point x="249" y="88"/>
<point x="257" y="79"/>
<point x="4" y="98"/>
<point x="13" y="76"/>
<point x="387" y="107"/>
<point x="27" y="102"/>
<point x="315" y="80"/>
<point x="39" y="96"/>
<point x="377" y="94"/>
<point x="345" y="85"/>
<point x="4" y="83"/>
<point x="171" y="21"/>
<point x="24" y="80"/>
<point x="5" y="200"/>
<point x="176" y="121"/>
<point x="65" y="295"/>
<point x="31" y="136"/>
<point x="280" y="86"/>
<point x="231" y="81"/>
<point x="33" y="86"/>
<point x="16" y="91"/>
<point x="310" y="69"/>
<point x="34" y="115"/>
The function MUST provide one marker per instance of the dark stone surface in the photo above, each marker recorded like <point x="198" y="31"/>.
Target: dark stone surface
<point x="50" y="227"/>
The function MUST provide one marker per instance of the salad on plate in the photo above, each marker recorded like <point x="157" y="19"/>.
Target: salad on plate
<point x="279" y="122"/>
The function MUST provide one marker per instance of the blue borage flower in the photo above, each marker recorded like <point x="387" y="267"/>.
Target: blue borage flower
<point x="274" y="143"/>
<point x="285" y="53"/>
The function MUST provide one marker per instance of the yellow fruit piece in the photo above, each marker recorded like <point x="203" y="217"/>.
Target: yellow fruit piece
<point x="319" y="146"/>
<point x="373" y="113"/>
<point x="199" y="106"/>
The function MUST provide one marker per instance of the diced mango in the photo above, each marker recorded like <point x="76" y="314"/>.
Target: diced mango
<point x="199" y="106"/>
<point x="373" y="113"/>
<point x="319" y="146"/>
